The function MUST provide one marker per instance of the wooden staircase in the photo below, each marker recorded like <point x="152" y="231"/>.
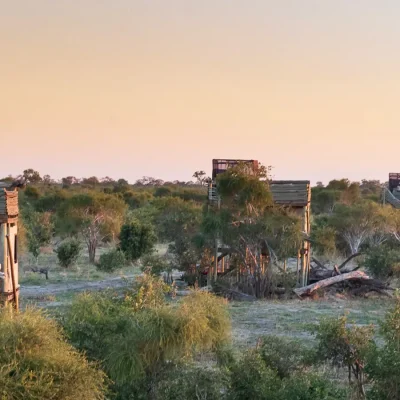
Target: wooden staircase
<point x="390" y="198"/>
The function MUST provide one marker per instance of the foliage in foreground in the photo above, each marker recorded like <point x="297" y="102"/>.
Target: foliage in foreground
<point x="37" y="363"/>
<point x="253" y="379"/>
<point x="383" y="362"/>
<point x="137" y="338"/>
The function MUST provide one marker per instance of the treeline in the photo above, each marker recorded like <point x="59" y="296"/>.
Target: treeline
<point x="34" y="177"/>
<point x="348" y="218"/>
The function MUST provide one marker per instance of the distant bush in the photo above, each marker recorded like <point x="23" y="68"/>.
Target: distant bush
<point x="68" y="252"/>
<point x="111" y="261"/>
<point x="163" y="192"/>
<point x="382" y="261"/>
<point x="136" y="240"/>
<point x="37" y="363"/>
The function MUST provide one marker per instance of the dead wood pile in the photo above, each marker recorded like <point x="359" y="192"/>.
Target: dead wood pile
<point x="353" y="282"/>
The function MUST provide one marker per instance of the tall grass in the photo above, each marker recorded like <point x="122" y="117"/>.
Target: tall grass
<point x="37" y="363"/>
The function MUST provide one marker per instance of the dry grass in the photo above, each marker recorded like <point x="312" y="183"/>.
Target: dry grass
<point x="290" y="318"/>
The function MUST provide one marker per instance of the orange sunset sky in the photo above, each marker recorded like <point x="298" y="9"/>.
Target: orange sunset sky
<point x="127" y="88"/>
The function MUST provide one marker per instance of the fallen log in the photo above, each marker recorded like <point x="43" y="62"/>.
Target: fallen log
<point x="307" y="290"/>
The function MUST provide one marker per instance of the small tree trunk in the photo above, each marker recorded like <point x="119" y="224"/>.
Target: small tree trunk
<point x="92" y="251"/>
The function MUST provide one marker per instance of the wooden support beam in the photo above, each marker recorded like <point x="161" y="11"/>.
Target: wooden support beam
<point x="14" y="283"/>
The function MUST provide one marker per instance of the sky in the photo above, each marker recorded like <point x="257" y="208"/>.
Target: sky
<point x="128" y="88"/>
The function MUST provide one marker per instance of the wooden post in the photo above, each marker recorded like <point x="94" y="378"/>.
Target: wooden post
<point x="297" y="268"/>
<point x="216" y="261"/>
<point x="223" y="265"/>
<point x="14" y="283"/>
<point x="284" y="266"/>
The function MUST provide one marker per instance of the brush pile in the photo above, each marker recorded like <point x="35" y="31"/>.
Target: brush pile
<point x="340" y="279"/>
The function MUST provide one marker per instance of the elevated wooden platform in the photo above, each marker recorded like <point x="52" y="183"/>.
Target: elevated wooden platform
<point x="8" y="206"/>
<point x="291" y="193"/>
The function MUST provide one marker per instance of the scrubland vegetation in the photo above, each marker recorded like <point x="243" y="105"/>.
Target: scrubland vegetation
<point x="142" y="340"/>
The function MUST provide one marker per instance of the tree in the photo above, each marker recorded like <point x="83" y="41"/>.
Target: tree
<point x="39" y="230"/>
<point x="47" y="180"/>
<point x="200" y="177"/>
<point x="32" y="176"/>
<point x="107" y="181"/>
<point x="358" y="223"/>
<point x="345" y="346"/>
<point x="69" y="181"/>
<point x="96" y="216"/>
<point x="91" y="181"/>
<point x="178" y="222"/>
<point x="251" y="227"/>
<point x="136" y="239"/>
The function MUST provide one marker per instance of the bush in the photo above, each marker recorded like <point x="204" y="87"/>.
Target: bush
<point x="383" y="362"/>
<point x="148" y="292"/>
<point x="111" y="261"/>
<point x="345" y="346"/>
<point x="68" y="252"/>
<point x="285" y="356"/>
<point x="156" y="264"/>
<point x="382" y="261"/>
<point x="251" y="379"/>
<point x="37" y="363"/>
<point x="137" y="341"/>
<point x="310" y="387"/>
<point x="192" y="382"/>
<point x="136" y="239"/>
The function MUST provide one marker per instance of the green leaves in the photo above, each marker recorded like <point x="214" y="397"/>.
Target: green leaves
<point x="136" y="239"/>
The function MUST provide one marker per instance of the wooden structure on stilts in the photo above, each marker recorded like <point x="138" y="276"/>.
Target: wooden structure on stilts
<point x="295" y="195"/>
<point x="9" y="211"/>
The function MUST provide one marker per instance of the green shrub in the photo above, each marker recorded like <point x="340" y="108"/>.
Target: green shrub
<point x="285" y="356"/>
<point x="346" y="346"/>
<point x="68" y="252"/>
<point x="37" y="363"/>
<point x="383" y="362"/>
<point x="251" y="379"/>
<point x="141" y="336"/>
<point x="382" y="261"/>
<point x="156" y="264"/>
<point x="111" y="261"/>
<point x="310" y="387"/>
<point x="136" y="239"/>
<point x="148" y="291"/>
<point x="192" y="382"/>
<point x="92" y="320"/>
